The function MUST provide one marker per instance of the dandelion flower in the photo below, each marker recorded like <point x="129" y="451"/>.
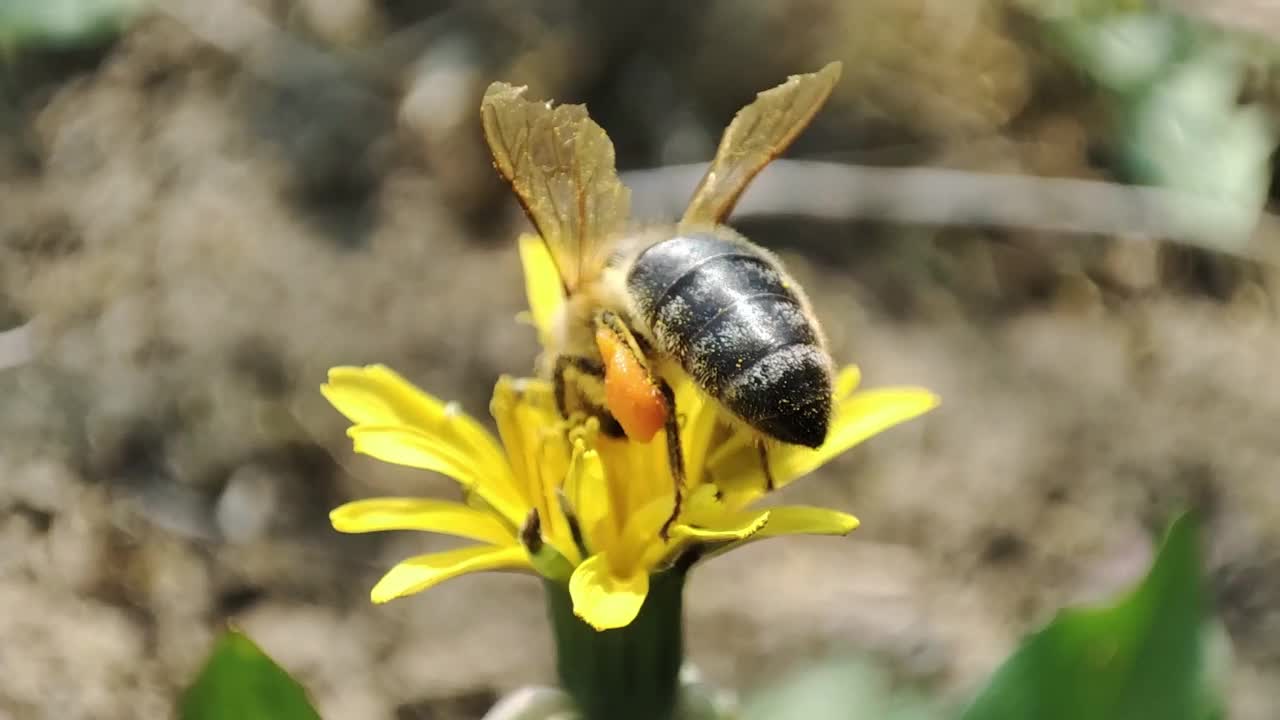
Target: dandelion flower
<point x="571" y="504"/>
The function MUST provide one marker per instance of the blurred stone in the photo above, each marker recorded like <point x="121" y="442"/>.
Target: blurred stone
<point x="174" y="578"/>
<point x="125" y="325"/>
<point x="75" y="543"/>
<point x="17" y="345"/>
<point x="325" y="651"/>
<point x="119" y="443"/>
<point x="248" y="503"/>
<point x="1077" y="295"/>
<point x="531" y="703"/>
<point x="463" y="706"/>
<point x="700" y="699"/>
<point x="1022" y="269"/>
<point x="343" y="23"/>
<point x="298" y="636"/>
<point x="1131" y="263"/>
<point x="1252" y="693"/>
<point x="153" y="499"/>
<point x="182" y="645"/>
<point x="1124" y="565"/>
<point x="250" y="573"/>
<point x="439" y="113"/>
<point x="910" y="66"/>
<point x="105" y="677"/>
<point x="1060" y="147"/>
<point x="1251" y="306"/>
<point x="354" y="696"/>
<point x="467" y="620"/>
<point x="43" y="484"/>
<point x="221" y="422"/>
<point x="20" y="536"/>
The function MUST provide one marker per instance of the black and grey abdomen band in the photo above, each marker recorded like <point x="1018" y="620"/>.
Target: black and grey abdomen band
<point x="732" y="320"/>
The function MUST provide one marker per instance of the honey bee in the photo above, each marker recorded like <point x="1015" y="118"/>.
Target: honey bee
<point x="696" y="292"/>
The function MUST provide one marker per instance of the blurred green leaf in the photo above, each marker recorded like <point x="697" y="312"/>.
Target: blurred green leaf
<point x="1124" y="53"/>
<point x="1175" y="84"/>
<point x="239" y="682"/>
<point x="1190" y="133"/>
<point x="63" y="22"/>
<point x="1080" y="8"/>
<point x="1141" y="659"/>
<point x="839" y="689"/>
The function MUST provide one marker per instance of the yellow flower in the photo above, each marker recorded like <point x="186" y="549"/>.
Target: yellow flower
<point x="571" y="503"/>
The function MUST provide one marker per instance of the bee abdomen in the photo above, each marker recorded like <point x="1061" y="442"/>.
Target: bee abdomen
<point x="786" y="394"/>
<point x="732" y="320"/>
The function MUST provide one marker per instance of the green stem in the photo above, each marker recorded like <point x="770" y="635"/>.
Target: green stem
<point x="630" y="673"/>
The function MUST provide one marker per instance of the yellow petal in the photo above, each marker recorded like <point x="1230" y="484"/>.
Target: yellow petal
<point x="700" y="415"/>
<point x="542" y="284"/>
<point x="637" y="473"/>
<point x="533" y="435"/>
<point x="425" y="571"/>
<point x="589" y="495"/>
<point x="641" y="536"/>
<point x="701" y="506"/>
<point x="439" y="516"/>
<point x="727" y="527"/>
<point x="795" y="520"/>
<point x="603" y="601"/>
<point x="551" y="466"/>
<point x="738" y="450"/>
<point x="377" y="395"/>
<point x="735" y="466"/>
<point x="471" y="434"/>
<point x="403" y="445"/>
<point x="804" y="520"/>
<point x="706" y="519"/>
<point x="846" y="382"/>
<point x="858" y="417"/>
<point x="525" y="413"/>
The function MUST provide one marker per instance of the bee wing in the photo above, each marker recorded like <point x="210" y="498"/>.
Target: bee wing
<point x="759" y="133"/>
<point x="561" y="165"/>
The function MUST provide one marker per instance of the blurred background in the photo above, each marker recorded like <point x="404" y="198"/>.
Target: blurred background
<point x="206" y="204"/>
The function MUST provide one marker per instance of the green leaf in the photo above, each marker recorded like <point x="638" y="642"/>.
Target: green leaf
<point x="240" y="682"/>
<point x="64" y="22"/>
<point x="1140" y="659"/>
<point x="839" y="689"/>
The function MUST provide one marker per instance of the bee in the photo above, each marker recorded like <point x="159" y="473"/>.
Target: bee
<point x="695" y="293"/>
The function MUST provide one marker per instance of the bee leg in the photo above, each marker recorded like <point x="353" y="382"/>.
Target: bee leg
<point x="615" y="324"/>
<point x="560" y="383"/>
<point x="763" y="450"/>
<point x="675" y="454"/>
<point x="616" y="329"/>
<point x="564" y="363"/>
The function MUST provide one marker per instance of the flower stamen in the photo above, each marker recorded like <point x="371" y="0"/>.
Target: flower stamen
<point x="531" y="533"/>
<point x="575" y="527"/>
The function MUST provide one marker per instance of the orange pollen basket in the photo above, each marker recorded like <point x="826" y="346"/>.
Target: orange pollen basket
<point x="630" y="392"/>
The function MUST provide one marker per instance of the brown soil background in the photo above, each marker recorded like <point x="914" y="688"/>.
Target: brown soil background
<point x="199" y="218"/>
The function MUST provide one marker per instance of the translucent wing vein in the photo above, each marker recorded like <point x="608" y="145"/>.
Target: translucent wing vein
<point x="759" y="133"/>
<point x="561" y="166"/>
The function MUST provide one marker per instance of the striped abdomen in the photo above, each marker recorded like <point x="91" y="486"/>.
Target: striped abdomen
<point x="727" y="314"/>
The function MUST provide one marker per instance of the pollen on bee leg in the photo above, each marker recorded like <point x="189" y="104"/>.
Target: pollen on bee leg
<point x="631" y="392"/>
